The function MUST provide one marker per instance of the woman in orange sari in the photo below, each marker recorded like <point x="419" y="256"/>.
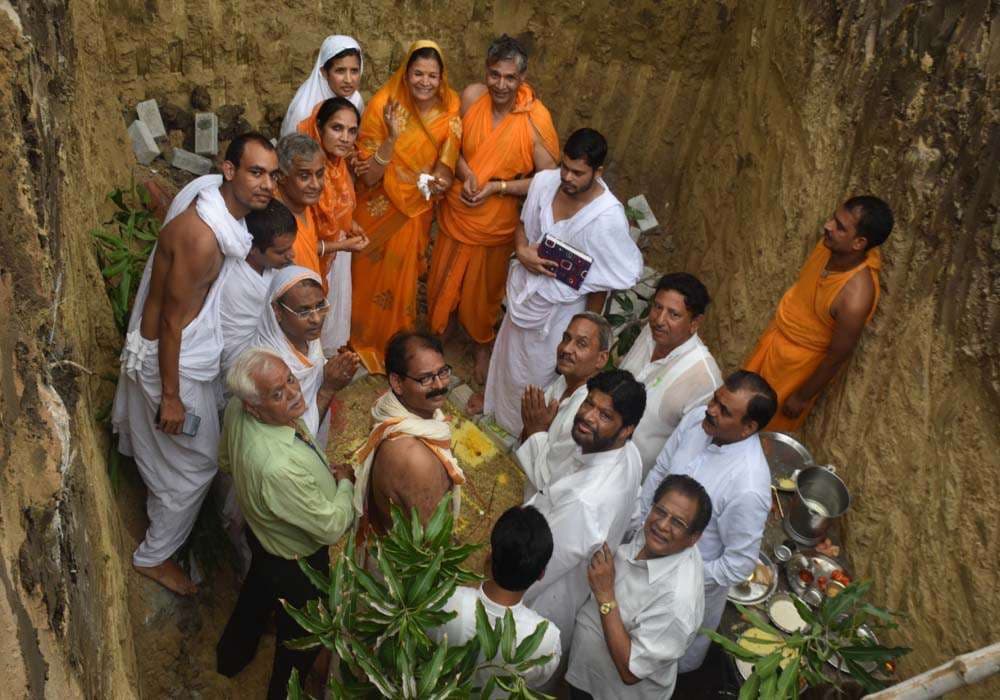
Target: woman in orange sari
<point x="411" y="128"/>
<point x="334" y="125"/>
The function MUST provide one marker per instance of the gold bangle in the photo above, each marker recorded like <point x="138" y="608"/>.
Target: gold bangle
<point x="380" y="160"/>
<point x="503" y="187"/>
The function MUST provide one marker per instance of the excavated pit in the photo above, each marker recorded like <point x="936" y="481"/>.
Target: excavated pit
<point x="744" y="123"/>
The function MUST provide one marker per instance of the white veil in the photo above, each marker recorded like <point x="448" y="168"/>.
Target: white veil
<point x="315" y="89"/>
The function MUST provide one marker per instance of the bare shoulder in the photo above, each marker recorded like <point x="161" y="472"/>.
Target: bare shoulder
<point x="472" y="93"/>
<point x="407" y="450"/>
<point x="189" y="236"/>
<point x="858" y="295"/>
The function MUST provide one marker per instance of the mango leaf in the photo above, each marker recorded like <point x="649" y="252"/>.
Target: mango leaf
<point x="303" y="643"/>
<point x="431" y="674"/>
<point x="507" y="637"/>
<point x="751" y="688"/>
<point x="731" y="646"/>
<point x="487" y="690"/>
<point x="758" y="620"/>
<point x="437" y="522"/>
<point x="427" y="579"/>
<point x="788" y="682"/>
<point x="295" y="691"/>
<point x="489" y="640"/>
<point x="304" y="621"/>
<point x="416" y="528"/>
<point x="529" y="645"/>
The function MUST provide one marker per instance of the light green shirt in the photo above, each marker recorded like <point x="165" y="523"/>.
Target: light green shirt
<point x="283" y="485"/>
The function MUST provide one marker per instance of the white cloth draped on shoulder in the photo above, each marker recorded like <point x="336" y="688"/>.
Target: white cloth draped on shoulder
<point x="316" y="89"/>
<point x="177" y="469"/>
<point x="540" y="307"/>
<point x="559" y="445"/>
<point x="244" y="297"/>
<point x="308" y="367"/>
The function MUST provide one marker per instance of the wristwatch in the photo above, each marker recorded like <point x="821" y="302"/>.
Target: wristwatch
<point x="605" y="608"/>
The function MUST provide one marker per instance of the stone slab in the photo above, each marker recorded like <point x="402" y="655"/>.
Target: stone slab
<point x="143" y="144"/>
<point x="149" y="114"/>
<point x="206" y="133"/>
<point x="460" y="396"/>
<point x="191" y="162"/>
<point x="647" y="222"/>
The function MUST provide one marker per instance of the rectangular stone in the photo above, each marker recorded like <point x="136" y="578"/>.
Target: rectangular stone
<point x="206" y="133"/>
<point x="149" y="114"/>
<point x="646" y="222"/>
<point x="143" y="144"/>
<point x="191" y="162"/>
<point x="460" y="395"/>
<point x="634" y="233"/>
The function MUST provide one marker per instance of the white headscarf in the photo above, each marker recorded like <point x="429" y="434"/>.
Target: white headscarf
<point x="316" y="89"/>
<point x="308" y="369"/>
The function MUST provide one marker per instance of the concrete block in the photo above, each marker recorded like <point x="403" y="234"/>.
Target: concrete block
<point x="206" y="133"/>
<point x="647" y="222"/>
<point x="191" y="162"/>
<point x="634" y="233"/>
<point x="143" y="144"/>
<point x="460" y="395"/>
<point x="149" y="114"/>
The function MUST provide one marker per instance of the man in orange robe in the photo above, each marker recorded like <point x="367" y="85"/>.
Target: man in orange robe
<point x="300" y="186"/>
<point x="820" y="318"/>
<point x="507" y="135"/>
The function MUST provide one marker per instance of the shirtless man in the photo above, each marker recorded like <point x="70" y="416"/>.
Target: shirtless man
<point x="407" y="459"/>
<point x="166" y="384"/>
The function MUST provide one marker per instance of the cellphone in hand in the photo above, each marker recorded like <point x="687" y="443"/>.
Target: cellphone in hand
<point x="191" y="423"/>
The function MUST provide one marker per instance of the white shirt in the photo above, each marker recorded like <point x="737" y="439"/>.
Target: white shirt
<point x="738" y="481"/>
<point x="463" y="628"/>
<point x="661" y="602"/>
<point x="244" y="296"/>
<point x="559" y="444"/>
<point x="685" y="378"/>
<point x="586" y="507"/>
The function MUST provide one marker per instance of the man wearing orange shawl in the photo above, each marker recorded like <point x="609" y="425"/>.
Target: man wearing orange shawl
<point x="410" y="134"/>
<point x="300" y="186"/>
<point x="820" y="318"/>
<point x="507" y="134"/>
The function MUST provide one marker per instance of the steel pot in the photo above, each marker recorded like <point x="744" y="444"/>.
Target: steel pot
<point x="820" y="498"/>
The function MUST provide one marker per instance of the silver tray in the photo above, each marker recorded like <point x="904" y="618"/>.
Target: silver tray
<point x="753" y="592"/>
<point x="784" y="455"/>
<point x="818" y="564"/>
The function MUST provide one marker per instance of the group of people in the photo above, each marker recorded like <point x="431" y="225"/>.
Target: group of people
<point x="272" y="283"/>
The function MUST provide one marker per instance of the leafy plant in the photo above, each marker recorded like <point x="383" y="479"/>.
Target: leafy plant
<point x="378" y="625"/>
<point x="627" y="320"/>
<point x="832" y="630"/>
<point x="633" y="215"/>
<point x="124" y="243"/>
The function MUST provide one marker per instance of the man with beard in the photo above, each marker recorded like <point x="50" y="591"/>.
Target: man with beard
<point x="591" y="502"/>
<point x="548" y="416"/>
<point x="165" y="407"/>
<point x="719" y="447"/>
<point x="571" y="206"/>
<point x="300" y="186"/>
<point x="669" y="358"/>
<point x="407" y="460"/>
<point x="245" y="292"/>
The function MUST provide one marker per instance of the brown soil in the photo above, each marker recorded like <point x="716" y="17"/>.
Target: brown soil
<point x="744" y="123"/>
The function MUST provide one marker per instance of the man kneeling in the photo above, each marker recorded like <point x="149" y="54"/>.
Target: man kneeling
<point x="655" y="583"/>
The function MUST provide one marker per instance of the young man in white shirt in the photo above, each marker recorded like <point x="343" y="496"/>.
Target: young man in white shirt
<point x="646" y="604"/>
<point x="720" y="448"/>
<point x="669" y="358"/>
<point x="520" y="549"/>
<point x="582" y="353"/>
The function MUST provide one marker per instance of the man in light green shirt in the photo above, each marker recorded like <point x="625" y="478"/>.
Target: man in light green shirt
<point x="295" y="505"/>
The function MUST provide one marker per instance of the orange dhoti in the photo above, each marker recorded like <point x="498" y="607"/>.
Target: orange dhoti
<point x="797" y="340"/>
<point x="474" y="244"/>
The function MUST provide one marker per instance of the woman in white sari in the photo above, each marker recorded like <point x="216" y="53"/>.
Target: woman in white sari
<point x="337" y="73"/>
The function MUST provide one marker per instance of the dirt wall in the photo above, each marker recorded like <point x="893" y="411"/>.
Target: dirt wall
<point x="744" y="123"/>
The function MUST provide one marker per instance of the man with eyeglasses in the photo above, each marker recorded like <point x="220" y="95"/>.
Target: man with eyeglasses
<point x="407" y="459"/>
<point x="653" y="585"/>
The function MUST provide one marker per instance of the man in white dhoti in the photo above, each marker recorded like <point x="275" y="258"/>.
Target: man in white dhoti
<point x="582" y="353"/>
<point x="244" y="292"/>
<point x="590" y="503"/>
<point x="718" y="446"/>
<point x="669" y="358"/>
<point x="337" y="73"/>
<point x="575" y="206"/>
<point x="166" y="411"/>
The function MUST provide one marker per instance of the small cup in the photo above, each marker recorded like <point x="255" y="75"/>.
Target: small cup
<point x="782" y="553"/>
<point x="812" y="596"/>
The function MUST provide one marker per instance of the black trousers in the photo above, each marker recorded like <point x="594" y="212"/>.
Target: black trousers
<point x="269" y="579"/>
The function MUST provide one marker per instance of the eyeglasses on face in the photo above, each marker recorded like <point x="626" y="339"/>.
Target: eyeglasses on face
<point x="425" y="380"/>
<point x="321" y="310"/>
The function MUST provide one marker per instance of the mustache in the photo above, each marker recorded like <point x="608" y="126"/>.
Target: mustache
<point x="443" y="391"/>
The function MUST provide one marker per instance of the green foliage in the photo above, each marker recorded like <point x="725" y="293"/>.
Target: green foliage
<point x="377" y="626"/>
<point x="627" y="321"/>
<point x="124" y="243"/>
<point x="633" y="215"/>
<point x="833" y="629"/>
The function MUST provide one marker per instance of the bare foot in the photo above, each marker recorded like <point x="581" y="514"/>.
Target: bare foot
<point x="170" y="576"/>
<point x="482" y="363"/>
<point x="475" y="404"/>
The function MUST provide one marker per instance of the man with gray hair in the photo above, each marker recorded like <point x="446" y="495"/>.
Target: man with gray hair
<point x="507" y="135"/>
<point x="295" y="503"/>
<point x="302" y="166"/>
<point x="548" y="416"/>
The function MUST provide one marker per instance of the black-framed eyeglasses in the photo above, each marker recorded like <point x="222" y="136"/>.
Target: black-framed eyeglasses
<point x="321" y="311"/>
<point x="444" y="374"/>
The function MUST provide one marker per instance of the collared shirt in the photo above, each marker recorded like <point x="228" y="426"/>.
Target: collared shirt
<point x="283" y="484"/>
<point x="685" y="378"/>
<point x="738" y="481"/>
<point x="661" y="602"/>
<point x="463" y="628"/>
<point x="558" y="443"/>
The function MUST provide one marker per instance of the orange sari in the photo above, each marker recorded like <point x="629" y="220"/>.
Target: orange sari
<point x="334" y="211"/>
<point x="796" y="342"/>
<point x="395" y="215"/>
<point x="306" y="244"/>
<point x="472" y="250"/>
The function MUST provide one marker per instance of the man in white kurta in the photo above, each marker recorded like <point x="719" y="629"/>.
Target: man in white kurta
<point x="672" y="362"/>
<point x="582" y="353"/>
<point x="646" y="602"/>
<point x="591" y="501"/>
<point x="718" y="446"/>
<point x="574" y="205"/>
